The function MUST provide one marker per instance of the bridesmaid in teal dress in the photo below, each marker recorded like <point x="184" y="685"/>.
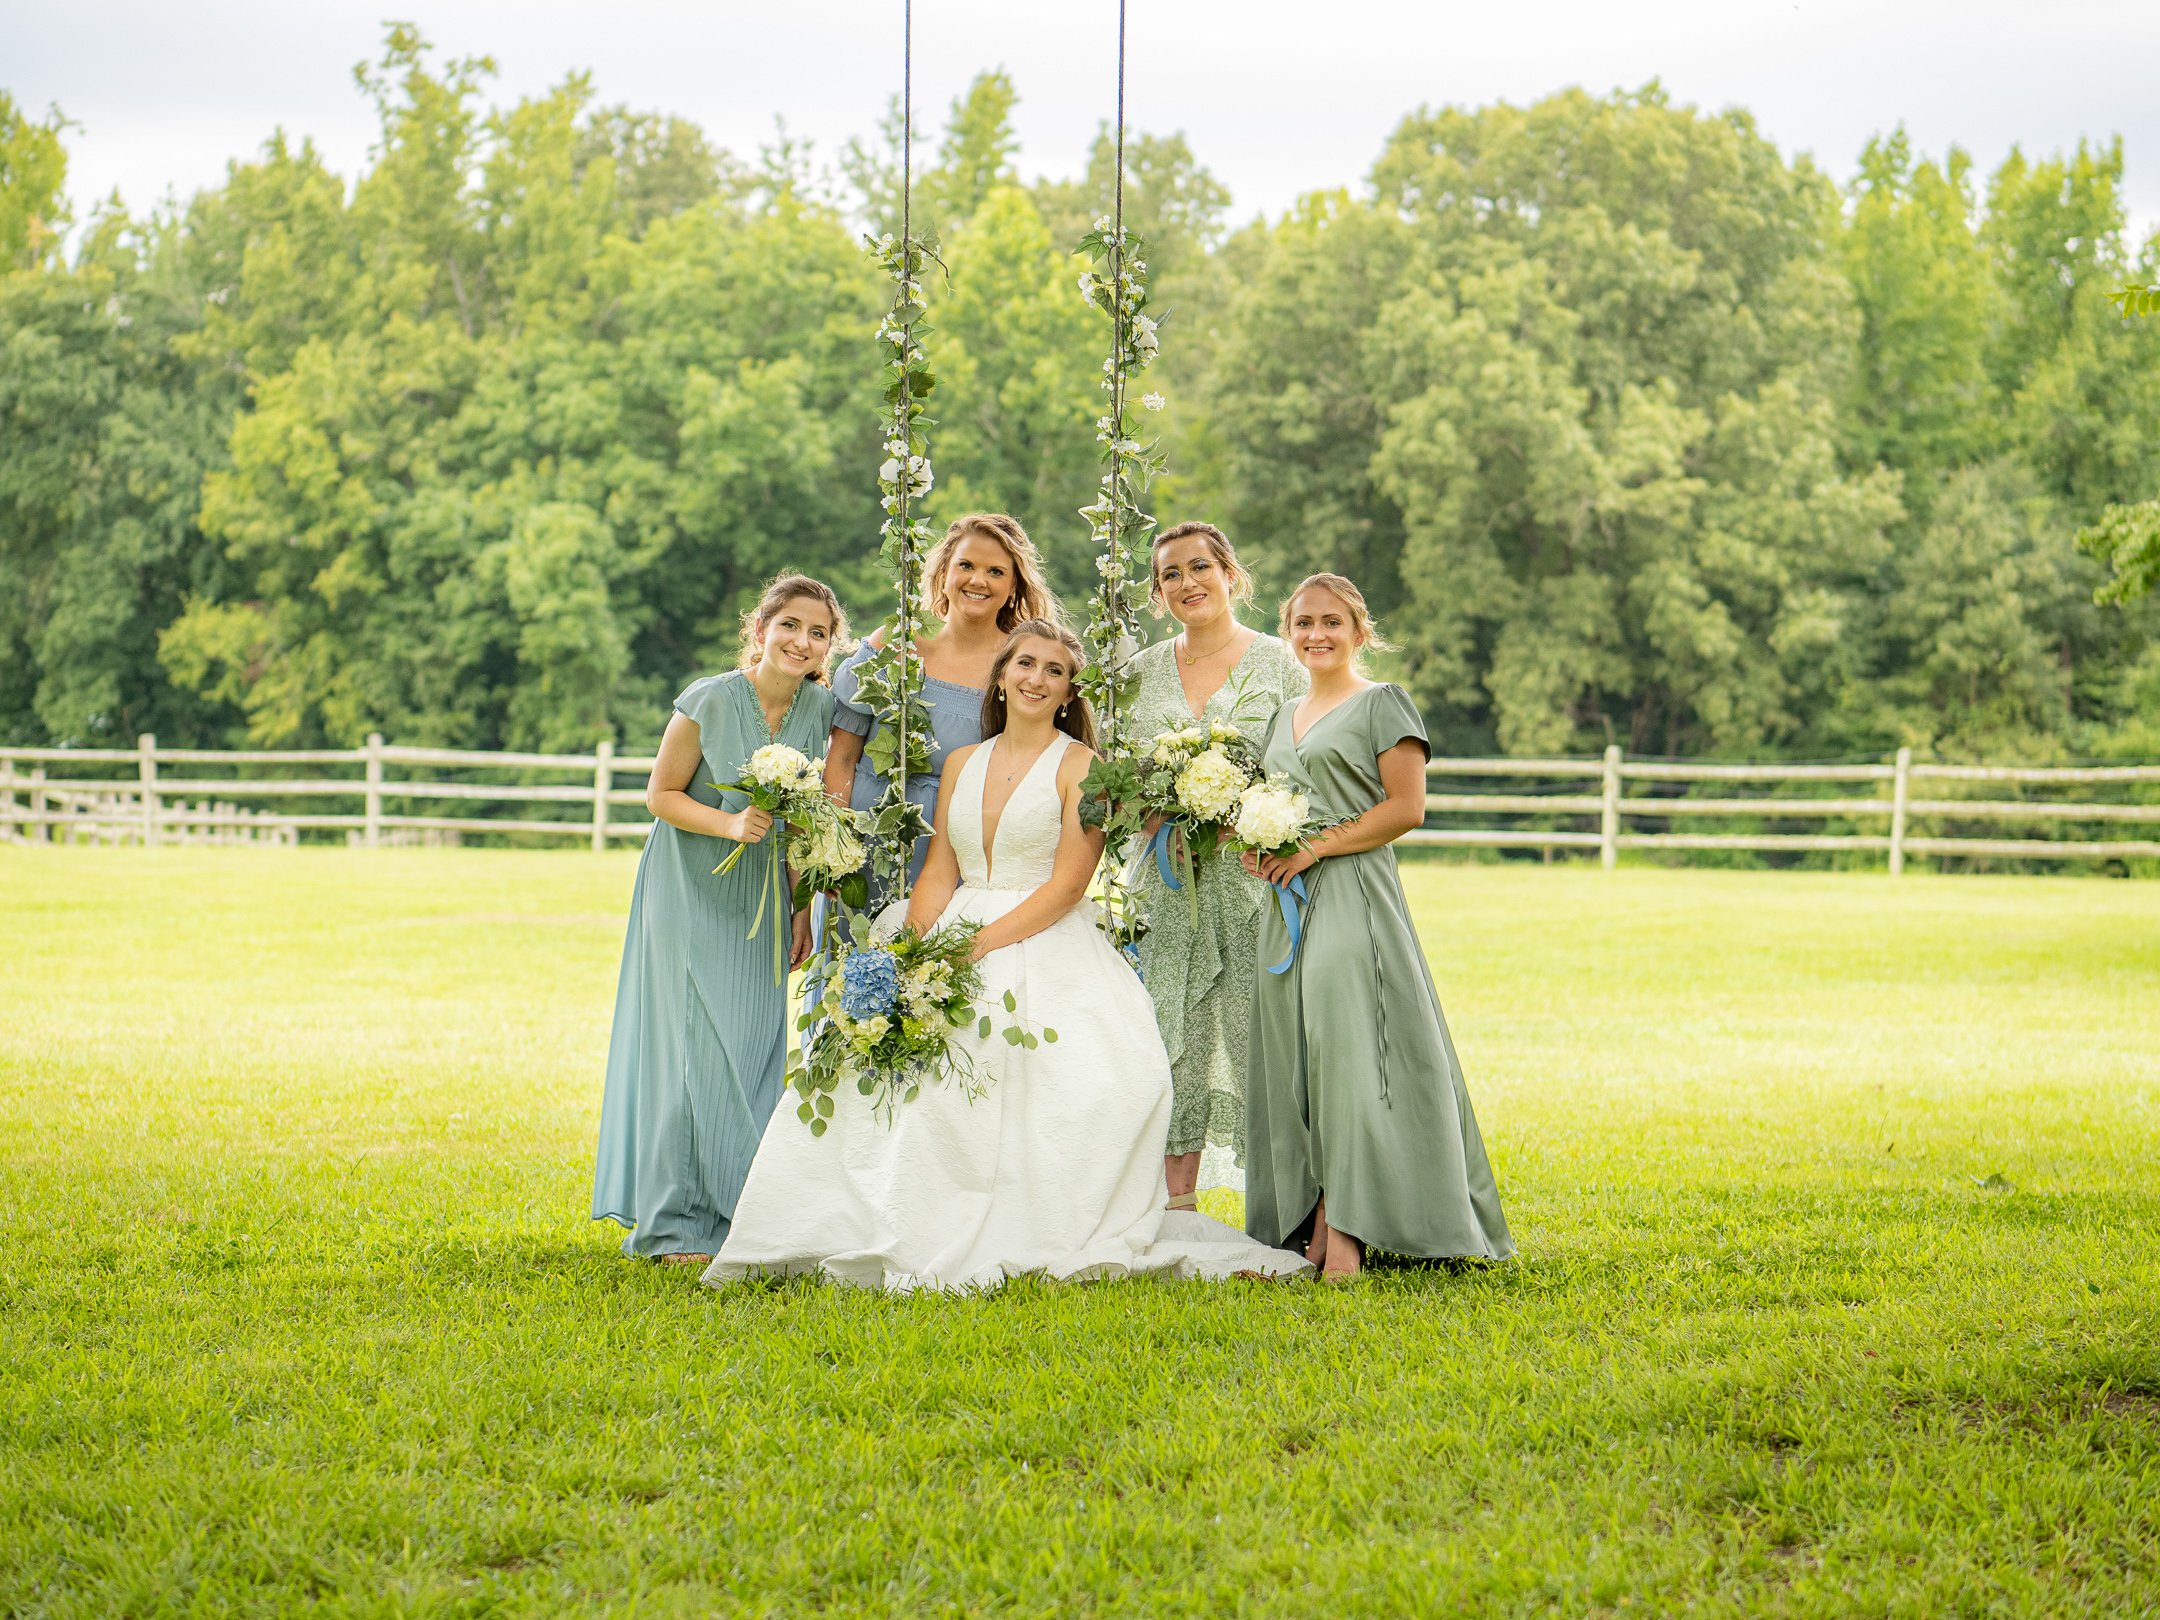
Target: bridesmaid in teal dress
<point x="1197" y="955"/>
<point x="983" y="578"/>
<point x="1358" y="1125"/>
<point x="695" y="1061"/>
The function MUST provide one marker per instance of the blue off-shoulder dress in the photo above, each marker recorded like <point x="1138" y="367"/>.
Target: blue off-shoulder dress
<point x="700" y="1040"/>
<point x="955" y="722"/>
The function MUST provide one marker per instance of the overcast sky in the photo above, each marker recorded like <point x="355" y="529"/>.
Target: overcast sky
<point x="1277" y="97"/>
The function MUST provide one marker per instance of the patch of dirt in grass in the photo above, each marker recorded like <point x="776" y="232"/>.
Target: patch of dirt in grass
<point x="2135" y="1404"/>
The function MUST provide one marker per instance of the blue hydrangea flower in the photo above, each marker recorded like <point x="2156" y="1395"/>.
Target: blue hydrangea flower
<point x="869" y="983"/>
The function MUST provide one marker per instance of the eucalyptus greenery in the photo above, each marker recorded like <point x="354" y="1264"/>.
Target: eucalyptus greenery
<point x="891" y="678"/>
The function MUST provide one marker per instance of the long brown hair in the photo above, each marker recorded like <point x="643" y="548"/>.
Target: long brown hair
<point x="1074" y="718"/>
<point x="783" y="590"/>
<point x="1030" y="599"/>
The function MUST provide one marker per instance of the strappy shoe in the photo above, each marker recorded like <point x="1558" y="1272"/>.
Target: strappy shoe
<point x="1189" y="1200"/>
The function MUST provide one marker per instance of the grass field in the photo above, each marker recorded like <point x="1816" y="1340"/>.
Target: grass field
<point x="302" y="1312"/>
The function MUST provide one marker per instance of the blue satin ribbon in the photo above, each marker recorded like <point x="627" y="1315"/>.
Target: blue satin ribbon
<point x="1291" y="897"/>
<point x="1160" y="845"/>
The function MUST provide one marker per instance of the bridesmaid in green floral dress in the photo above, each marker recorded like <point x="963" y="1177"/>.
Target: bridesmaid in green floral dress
<point x="1359" y="1125"/>
<point x="695" y="1060"/>
<point x="1200" y="973"/>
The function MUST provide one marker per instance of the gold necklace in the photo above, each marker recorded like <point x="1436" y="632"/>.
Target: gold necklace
<point x="1016" y="769"/>
<point x="1192" y="658"/>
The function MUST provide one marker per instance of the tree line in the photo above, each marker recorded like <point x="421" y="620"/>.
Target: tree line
<point x="1633" y="428"/>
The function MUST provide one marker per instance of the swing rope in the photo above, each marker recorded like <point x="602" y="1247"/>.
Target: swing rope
<point x="907" y="187"/>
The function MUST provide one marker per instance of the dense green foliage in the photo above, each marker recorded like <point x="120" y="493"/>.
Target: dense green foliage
<point x="1635" y="429"/>
<point x="300" y="1310"/>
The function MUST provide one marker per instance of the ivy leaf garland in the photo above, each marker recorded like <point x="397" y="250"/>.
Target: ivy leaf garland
<point x="890" y="680"/>
<point x="1118" y="528"/>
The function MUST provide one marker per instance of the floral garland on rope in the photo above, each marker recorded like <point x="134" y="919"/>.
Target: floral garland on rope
<point x="1118" y="527"/>
<point x="890" y="680"/>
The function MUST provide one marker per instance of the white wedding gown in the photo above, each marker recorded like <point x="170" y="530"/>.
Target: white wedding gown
<point x="1057" y="1168"/>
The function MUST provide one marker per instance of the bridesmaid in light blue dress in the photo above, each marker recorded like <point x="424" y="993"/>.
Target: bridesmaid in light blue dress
<point x="699" y="1044"/>
<point x="983" y="578"/>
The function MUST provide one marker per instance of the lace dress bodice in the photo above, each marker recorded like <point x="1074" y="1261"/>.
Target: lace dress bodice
<point x="1027" y="832"/>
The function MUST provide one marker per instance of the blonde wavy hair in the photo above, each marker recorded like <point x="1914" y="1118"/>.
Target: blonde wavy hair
<point x="1031" y="597"/>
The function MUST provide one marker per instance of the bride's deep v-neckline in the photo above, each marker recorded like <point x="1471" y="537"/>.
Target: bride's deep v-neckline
<point x="988" y="826"/>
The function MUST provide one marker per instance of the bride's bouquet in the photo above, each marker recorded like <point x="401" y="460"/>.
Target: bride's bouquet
<point x="890" y="1018"/>
<point x="1188" y="781"/>
<point x="826" y="847"/>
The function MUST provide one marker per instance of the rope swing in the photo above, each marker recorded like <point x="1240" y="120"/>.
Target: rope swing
<point x="1118" y="528"/>
<point x="891" y="679"/>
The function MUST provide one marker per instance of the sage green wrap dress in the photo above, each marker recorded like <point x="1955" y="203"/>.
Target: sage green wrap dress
<point x="699" y="1044"/>
<point x="1199" y="970"/>
<point x="1354" y="1086"/>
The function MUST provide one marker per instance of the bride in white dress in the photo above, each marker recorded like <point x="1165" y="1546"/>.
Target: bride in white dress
<point x="1057" y="1168"/>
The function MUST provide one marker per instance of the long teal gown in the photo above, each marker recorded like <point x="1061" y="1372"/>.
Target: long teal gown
<point x="1353" y="1087"/>
<point x="699" y="1046"/>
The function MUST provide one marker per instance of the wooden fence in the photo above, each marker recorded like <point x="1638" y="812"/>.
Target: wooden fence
<point x="1898" y="809"/>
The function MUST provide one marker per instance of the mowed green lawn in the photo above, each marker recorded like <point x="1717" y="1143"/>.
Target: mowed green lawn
<point x="302" y="1310"/>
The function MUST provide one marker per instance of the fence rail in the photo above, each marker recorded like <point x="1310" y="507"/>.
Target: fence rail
<point x="1525" y="804"/>
<point x="1885" y="820"/>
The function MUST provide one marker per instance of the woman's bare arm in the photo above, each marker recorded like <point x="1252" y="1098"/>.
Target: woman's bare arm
<point x="934" y="890"/>
<point x="681" y="758"/>
<point x="843" y="751"/>
<point x="1402" y="777"/>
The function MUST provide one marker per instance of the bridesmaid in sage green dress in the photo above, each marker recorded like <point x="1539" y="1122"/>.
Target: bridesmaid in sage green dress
<point x="695" y="1061"/>
<point x="1200" y="972"/>
<point x="1358" y="1124"/>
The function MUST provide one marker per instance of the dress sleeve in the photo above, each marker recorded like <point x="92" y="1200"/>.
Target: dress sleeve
<point x="702" y="701"/>
<point x="847" y="681"/>
<point x="1393" y="717"/>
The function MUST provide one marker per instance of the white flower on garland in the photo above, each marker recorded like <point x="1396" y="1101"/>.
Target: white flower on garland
<point x="1208" y="788"/>
<point x="1270" y="815"/>
<point x="919" y="475"/>
<point x="1153" y="402"/>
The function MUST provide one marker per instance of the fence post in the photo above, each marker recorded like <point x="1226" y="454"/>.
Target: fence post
<point x="38" y="827"/>
<point x="1900" y="795"/>
<point x="372" y="835"/>
<point x="603" y="782"/>
<point x="1609" y="818"/>
<point x="7" y="801"/>
<point x="146" y="772"/>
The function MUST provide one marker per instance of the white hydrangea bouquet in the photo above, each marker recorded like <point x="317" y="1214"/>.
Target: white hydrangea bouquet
<point x="890" y="1018"/>
<point x="1274" y="818"/>
<point x="1188" y="781"/>
<point x="822" y="840"/>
